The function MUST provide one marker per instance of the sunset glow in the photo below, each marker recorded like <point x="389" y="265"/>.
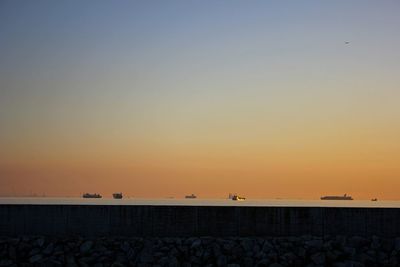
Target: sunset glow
<point x="167" y="98"/>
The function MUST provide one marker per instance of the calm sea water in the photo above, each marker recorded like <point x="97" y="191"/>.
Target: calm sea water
<point x="203" y="202"/>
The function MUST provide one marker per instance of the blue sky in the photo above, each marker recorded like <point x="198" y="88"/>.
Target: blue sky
<point x="159" y="75"/>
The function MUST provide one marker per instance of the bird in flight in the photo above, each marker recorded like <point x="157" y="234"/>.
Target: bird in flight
<point x="347" y="42"/>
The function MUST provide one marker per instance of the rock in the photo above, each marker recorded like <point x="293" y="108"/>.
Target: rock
<point x="228" y="245"/>
<point x="248" y="262"/>
<point x="196" y="244"/>
<point x="263" y="263"/>
<point x="318" y="258"/>
<point x="267" y="246"/>
<point x="365" y="258"/>
<point x="358" y="242"/>
<point x="393" y="261"/>
<point x="260" y="255"/>
<point x="397" y="244"/>
<point x="52" y="263"/>
<point x="272" y="256"/>
<point x="117" y="264"/>
<point x="173" y="262"/>
<point x="83" y="263"/>
<point x="12" y="252"/>
<point x="70" y="260"/>
<point x="332" y="255"/>
<point x="349" y="251"/>
<point x="247" y="245"/>
<point x="40" y="242"/>
<point x="5" y="262"/>
<point x="125" y="247"/>
<point x="315" y="244"/>
<point x="289" y="258"/>
<point x="387" y="244"/>
<point x="145" y="257"/>
<point x="163" y="261"/>
<point x="49" y="249"/>
<point x="221" y="260"/>
<point x="34" y="251"/>
<point x="86" y="247"/>
<point x="130" y="254"/>
<point x="35" y="258"/>
<point x="301" y="252"/>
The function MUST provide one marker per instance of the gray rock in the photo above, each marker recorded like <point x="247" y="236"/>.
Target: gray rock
<point x="358" y="242"/>
<point x="86" y="247"/>
<point x="173" y="262"/>
<point x="34" y="251"/>
<point x="163" y="261"/>
<point x="289" y="257"/>
<point x="350" y="251"/>
<point x="83" y="263"/>
<point x="248" y="262"/>
<point x="365" y="258"/>
<point x="222" y="260"/>
<point x="228" y="245"/>
<point x="117" y="264"/>
<point x="196" y="244"/>
<point x="125" y="247"/>
<point x="315" y="243"/>
<point x="301" y="252"/>
<point x="12" y="252"/>
<point x="260" y="255"/>
<point x="397" y="244"/>
<point x="332" y="255"/>
<point x="35" y="258"/>
<point x="393" y="261"/>
<point x="247" y="245"/>
<point x="5" y="262"/>
<point x="145" y="257"/>
<point x="318" y="258"/>
<point x="49" y="249"/>
<point x="70" y="260"/>
<point x="263" y="263"/>
<point x="272" y="256"/>
<point x="267" y="246"/>
<point x="40" y="242"/>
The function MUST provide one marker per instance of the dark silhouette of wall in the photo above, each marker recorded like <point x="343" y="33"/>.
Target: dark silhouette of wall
<point x="107" y="220"/>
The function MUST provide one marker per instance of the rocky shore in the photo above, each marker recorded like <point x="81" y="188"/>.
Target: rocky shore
<point x="338" y="251"/>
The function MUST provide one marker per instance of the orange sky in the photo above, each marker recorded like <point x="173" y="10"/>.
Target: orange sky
<point x="266" y="100"/>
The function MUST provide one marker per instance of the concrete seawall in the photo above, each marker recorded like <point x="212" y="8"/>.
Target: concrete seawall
<point x="185" y="221"/>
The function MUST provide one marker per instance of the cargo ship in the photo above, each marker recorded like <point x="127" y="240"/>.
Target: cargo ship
<point x="236" y="197"/>
<point x="117" y="196"/>
<point x="191" y="196"/>
<point x="88" y="195"/>
<point x="344" y="197"/>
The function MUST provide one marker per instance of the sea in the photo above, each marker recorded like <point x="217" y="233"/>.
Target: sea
<point x="199" y="202"/>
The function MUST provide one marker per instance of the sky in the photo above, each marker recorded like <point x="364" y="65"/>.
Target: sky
<point x="168" y="98"/>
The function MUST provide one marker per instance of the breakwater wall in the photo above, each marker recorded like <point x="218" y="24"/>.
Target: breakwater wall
<point x="189" y="221"/>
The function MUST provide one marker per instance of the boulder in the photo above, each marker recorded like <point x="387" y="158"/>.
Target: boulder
<point x="318" y="258"/>
<point x="86" y="247"/>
